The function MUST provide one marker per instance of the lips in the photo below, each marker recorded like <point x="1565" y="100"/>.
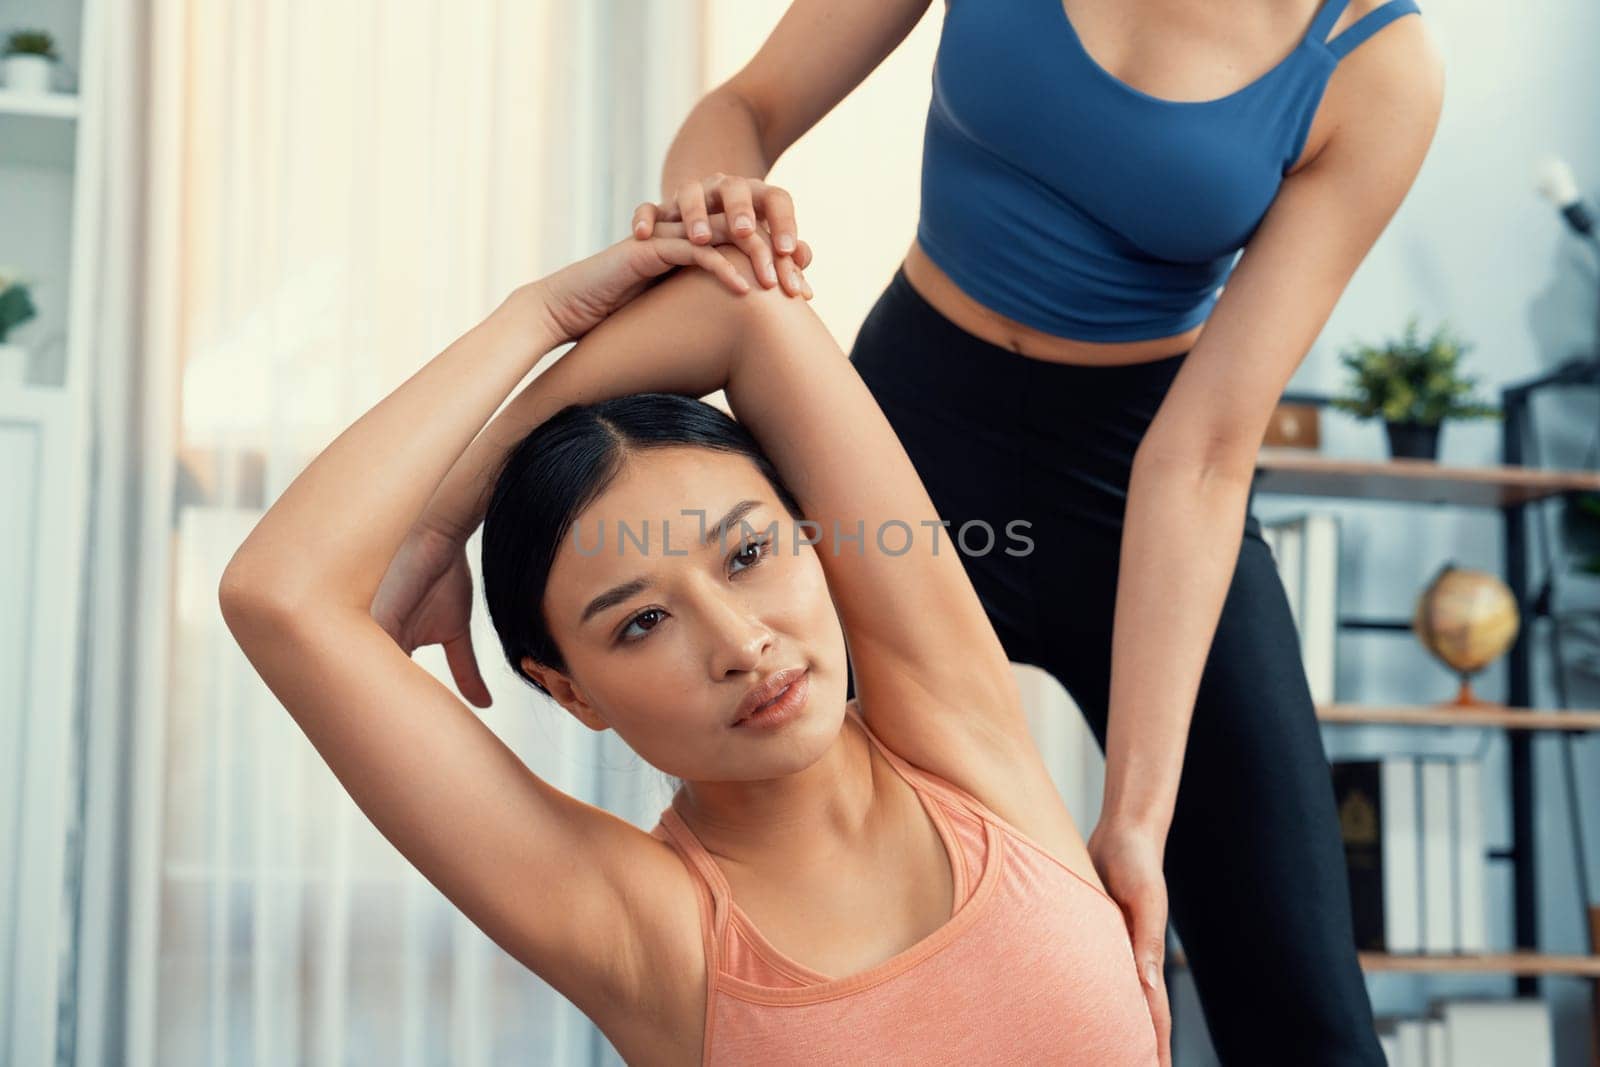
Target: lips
<point x="767" y="691"/>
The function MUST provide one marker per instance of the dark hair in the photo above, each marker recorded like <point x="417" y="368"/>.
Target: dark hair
<point x="555" y="472"/>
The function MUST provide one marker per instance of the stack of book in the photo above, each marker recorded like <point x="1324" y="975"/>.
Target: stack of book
<point x="1472" y="1033"/>
<point x="1413" y="841"/>
<point x="1306" y="549"/>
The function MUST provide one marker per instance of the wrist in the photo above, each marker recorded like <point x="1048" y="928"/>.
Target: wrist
<point x="1129" y="821"/>
<point x="527" y="311"/>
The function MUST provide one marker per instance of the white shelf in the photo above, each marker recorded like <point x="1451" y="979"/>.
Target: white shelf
<point x="42" y="105"/>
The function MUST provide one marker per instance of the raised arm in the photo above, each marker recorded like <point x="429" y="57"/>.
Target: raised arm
<point x="931" y="673"/>
<point x="555" y="881"/>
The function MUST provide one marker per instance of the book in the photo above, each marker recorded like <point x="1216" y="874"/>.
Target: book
<point x="1378" y="822"/>
<point x="1436" y="1042"/>
<point x="1472" y="919"/>
<point x="1411" y="1038"/>
<point x="1390" y="1043"/>
<point x="1306" y="550"/>
<point x="1493" y="1033"/>
<point x="1438" y="857"/>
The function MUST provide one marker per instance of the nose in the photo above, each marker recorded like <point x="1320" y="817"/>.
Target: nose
<point x="739" y="639"/>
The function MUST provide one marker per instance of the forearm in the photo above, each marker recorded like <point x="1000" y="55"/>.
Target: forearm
<point x="677" y="337"/>
<point x="722" y="133"/>
<point x="1180" y="546"/>
<point x="331" y="534"/>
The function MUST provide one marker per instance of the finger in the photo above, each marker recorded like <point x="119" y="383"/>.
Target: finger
<point x="717" y="264"/>
<point x="1161" y="1017"/>
<point x="664" y="253"/>
<point x="793" y="283"/>
<point x="665" y="228"/>
<point x="691" y="201"/>
<point x="758" y="247"/>
<point x="644" y="220"/>
<point x="720" y="231"/>
<point x="802" y="256"/>
<point x="778" y="208"/>
<point x="738" y="205"/>
<point x="464" y="669"/>
<point x="1149" y="931"/>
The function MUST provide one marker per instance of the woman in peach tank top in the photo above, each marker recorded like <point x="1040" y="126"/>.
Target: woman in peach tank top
<point x="890" y="880"/>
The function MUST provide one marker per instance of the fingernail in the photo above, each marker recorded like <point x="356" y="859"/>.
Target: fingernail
<point x="807" y="288"/>
<point x="702" y="230"/>
<point x="769" y="274"/>
<point x="1152" y="976"/>
<point x="638" y="228"/>
<point x="785" y="243"/>
<point x="742" y="223"/>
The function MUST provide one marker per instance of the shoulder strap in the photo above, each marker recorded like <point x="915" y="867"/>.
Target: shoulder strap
<point x="1369" y="24"/>
<point x="1326" y="16"/>
<point x="921" y="780"/>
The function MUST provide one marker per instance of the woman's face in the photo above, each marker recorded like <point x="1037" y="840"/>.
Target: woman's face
<point x="667" y="622"/>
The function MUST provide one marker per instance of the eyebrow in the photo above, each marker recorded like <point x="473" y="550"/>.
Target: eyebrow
<point x="617" y="594"/>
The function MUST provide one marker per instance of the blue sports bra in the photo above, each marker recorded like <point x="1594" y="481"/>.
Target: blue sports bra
<point x="1064" y="198"/>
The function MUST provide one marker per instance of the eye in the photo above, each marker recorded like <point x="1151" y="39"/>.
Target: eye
<point x="646" y="614"/>
<point x="762" y="547"/>
<point x="749" y="554"/>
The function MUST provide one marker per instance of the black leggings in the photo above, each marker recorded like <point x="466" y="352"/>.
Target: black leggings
<point x="1255" y="870"/>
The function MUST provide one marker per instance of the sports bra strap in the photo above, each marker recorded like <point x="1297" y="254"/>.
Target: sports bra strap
<point x="1368" y="24"/>
<point x="1327" y="15"/>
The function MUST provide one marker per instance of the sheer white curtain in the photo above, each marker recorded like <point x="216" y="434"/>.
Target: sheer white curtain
<point x="352" y="186"/>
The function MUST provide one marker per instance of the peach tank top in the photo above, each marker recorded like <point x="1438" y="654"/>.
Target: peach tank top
<point x="1034" y="965"/>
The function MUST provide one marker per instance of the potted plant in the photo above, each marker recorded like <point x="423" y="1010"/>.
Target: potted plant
<point x="1413" y="384"/>
<point x="29" y="61"/>
<point x="16" y="308"/>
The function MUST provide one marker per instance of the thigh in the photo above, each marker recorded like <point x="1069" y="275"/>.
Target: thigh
<point x="1255" y="866"/>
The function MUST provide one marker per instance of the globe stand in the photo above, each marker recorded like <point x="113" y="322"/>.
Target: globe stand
<point x="1465" y="697"/>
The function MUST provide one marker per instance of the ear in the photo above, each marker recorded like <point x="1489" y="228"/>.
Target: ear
<point x="565" y="693"/>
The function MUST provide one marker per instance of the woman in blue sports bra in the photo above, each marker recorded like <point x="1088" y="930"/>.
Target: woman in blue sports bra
<point x="1058" y="348"/>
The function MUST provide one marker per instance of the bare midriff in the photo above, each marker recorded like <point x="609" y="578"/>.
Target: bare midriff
<point x="935" y="286"/>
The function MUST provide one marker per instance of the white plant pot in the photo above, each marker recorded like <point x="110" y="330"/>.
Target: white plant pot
<point x="28" y="74"/>
<point x="13" y="364"/>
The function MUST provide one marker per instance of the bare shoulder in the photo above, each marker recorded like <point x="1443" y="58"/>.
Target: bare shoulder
<point x="1397" y="70"/>
<point x="1388" y="91"/>
<point x="997" y="761"/>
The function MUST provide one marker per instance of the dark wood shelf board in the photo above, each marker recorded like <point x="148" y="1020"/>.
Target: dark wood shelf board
<point x="1303" y="473"/>
<point x="1488" y="715"/>
<point x="1510" y="963"/>
<point x="1530" y="963"/>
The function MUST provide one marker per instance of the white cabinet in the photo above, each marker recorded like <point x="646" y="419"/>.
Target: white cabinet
<point x="47" y="204"/>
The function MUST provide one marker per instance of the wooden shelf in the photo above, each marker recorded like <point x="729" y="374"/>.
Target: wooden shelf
<point x="1518" y="963"/>
<point x="1303" y="473"/>
<point x="1532" y="963"/>
<point x="1489" y="715"/>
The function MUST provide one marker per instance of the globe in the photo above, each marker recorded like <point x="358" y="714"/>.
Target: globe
<point x="1468" y="619"/>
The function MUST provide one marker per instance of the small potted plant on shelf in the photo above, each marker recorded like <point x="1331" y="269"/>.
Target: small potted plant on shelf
<point x="29" y="61"/>
<point x="1413" y="384"/>
<point x="16" y="308"/>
